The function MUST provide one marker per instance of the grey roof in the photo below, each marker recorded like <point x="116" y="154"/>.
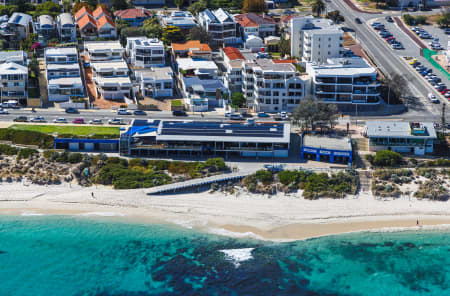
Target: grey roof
<point x="21" y="19"/>
<point x="155" y="73"/>
<point x="217" y="16"/>
<point x="269" y="65"/>
<point x="65" y="19"/>
<point x="331" y="142"/>
<point x="13" y="68"/>
<point x="12" y="56"/>
<point x="61" y="51"/>
<point x="400" y="129"/>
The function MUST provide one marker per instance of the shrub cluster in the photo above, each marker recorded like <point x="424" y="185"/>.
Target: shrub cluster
<point x="385" y="190"/>
<point x="8" y="150"/>
<point x="26" y="153"/>
<point x="63" y="157"/>
<point x="27" y="138"/>
<point x="441" y="162"/>
<point x="385" y="158"/>
<point x="398" y="176"/>
<point x="336" y="185"/>
<point x="434" y="190"/>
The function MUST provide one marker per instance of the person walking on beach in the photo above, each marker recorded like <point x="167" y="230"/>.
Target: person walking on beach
<point x="92" y="194"/>
<point x="417" y="222"/>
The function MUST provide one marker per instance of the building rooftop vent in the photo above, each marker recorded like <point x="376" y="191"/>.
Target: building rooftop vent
<point x="228" y="131"/>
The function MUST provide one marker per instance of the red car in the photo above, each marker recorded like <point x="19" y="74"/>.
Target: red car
<point x="78" y="121"/>
<point x="390" y="38"/>
<point x="444" y="91"/>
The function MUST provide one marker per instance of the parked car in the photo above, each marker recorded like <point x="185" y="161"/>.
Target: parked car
<point x="358" y="20"/>
<point x="21" y="119"/>
<point x="60" y="120"/>
<point x="432" y="98"/>
<point x="413" y="61"/>
<point x="96" y="121"/>
<point x="179" y="113"/>
<point x="3" y="111"/>
<point x="236" y="117"/>
<point x="389" y="19"/>
<point x="116" y="121"/>
<point x="283" y="115"/>
<point x="274" y="167"/>
<point x="263" y="114"/>
<point x="123" y="112"/>
<point x="447" y="95"/>
<point x="140" y="112"/>
<point x="447" y="31"/>
<point x="78" y="121"/>
<point x="72" y="110"/>
<point x="397" y="46"/>
<point x="38" y="119"/>
<point x="374" y="24"/>
<point x="227" y="114"/>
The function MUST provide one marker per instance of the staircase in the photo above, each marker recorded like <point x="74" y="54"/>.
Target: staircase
<point x="362" y="144"/>
<point x="364" y="181"/>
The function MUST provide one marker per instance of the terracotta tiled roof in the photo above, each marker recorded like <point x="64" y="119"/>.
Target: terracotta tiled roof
<point x="190" y="44"/>
<point x="253" y="20"/>
<point x="285" y="61"/>
<point x="99" y="11"/>
<point x="87" y="18"/>
<point x="82" y="11"/>
<point x="233" y="53"/>
<point x="103" y="20"/>
<point x="287" y="18"/>
<point x="133" y="13"/>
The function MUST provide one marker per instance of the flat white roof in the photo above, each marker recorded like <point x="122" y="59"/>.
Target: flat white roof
<point x="189" y="64"/>
<point x="63" y="66"/>
<point x="344" y="67"/>
<point x="65" y="80"/>
<point x="103" y="45"/>
<point x="109" y="65"/>
<point x="12" y="68"/>
<point x="327" y="142"/>
<point x="61" y="51"/>
<point x="398" y="129"/>
<point x="114" y="80"/>
<point x="155" y="73"/>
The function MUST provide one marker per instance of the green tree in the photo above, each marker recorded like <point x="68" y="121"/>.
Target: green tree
<point x="129" y="32"/>
<point x="179" y="3"/>
<point x="196" y="7"/>
<point x="50" y="8"/>
<point x="121" y="24"/>
<point x="285" y="47"/>
<point x="67" y="5"/>
<point x="33" y="65"/>
<point x="444" y="18"/>
<point x="22" y="5"/>
<point x="305" y="113"/>
<point x="256" y="6"/>
<point x="119" y="4"/>
<point x="318" y="7"/>
<point x="198" y="33"/>
<point x="336" y="16"/>
<point x="238" y="100"/>
<point x="171" y="34"/>
<point x="387" y="158"/>
<point x="152" y="28"/>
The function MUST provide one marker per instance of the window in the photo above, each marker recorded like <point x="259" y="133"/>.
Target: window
<point x="275" y="94"/>
<point x="276" y="101"/>
<point x="268" y="101"/>
<point x="329" y="38"/>
<point x="167" y="84"/>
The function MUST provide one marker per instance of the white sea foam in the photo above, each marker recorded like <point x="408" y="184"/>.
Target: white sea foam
<point x="238" y="255"/>
<point x="103" y="214"/>
<point x="31" y="214"/>
<point x="411" y="228"/>
<point x="224" y="232"/>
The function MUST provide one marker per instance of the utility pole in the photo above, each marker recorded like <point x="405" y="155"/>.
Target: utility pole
<point x="443" y="118"/>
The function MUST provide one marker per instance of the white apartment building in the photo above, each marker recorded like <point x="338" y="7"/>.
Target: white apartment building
<point x="315" y="40"/>
<point x="104" y="50"/>
<point x="221" y="25"/>
<point x="156" y="82"/>
<point x="345" y="81"/>
<point x="63" y="74"/>
<point x="13" y="81"/>
<point x="273" y="87"/>
<point x="66" y="28"/>
<point x="145" y="52"/>
<point x="182" y="19"/>
<point x="112" y="80"/>
<point x="14" y="56"/>
<point x="233" y="61"/>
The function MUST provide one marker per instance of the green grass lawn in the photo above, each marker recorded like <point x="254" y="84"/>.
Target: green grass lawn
<point x="67" y="129"/>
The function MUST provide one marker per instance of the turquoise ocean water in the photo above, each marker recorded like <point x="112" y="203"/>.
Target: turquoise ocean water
<point x="55" y="255"/>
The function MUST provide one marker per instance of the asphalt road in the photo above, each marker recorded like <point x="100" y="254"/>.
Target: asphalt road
<point x="389" y="61"/>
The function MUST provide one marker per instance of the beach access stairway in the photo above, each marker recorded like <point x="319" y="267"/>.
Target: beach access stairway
<point x="173" y="187"/>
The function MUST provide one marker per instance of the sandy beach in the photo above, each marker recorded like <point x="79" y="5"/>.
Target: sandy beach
<point x="279" y="218"/>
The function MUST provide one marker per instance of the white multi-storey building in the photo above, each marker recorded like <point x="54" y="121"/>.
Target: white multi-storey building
<point x="144" y="52"/>
<point x="66" y="28"/>
<point x="155" y="82"/>
<point x="273" y="86"/>
<point x="315" y="40"/>
<point x="13" y="56"/>
<point x="13" y="81"/>
<point x="112" y="80"/>
<point x="233" y="60"/>
<point x="345" y="81"/>
<point x="63" y="74"/>
<point x="221" y="25"/>
<point x="104" y="50"/>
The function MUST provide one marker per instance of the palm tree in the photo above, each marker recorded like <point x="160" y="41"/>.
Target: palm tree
<point x="318" y="7"/>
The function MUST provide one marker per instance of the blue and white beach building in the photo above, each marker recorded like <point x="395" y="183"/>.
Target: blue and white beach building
<point x="328" y="148"/>
<point x="147" y="138"/>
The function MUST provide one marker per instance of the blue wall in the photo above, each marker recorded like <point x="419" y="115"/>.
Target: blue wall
<point x="328" y="152"/>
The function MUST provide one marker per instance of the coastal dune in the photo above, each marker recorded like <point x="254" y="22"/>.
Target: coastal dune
<point x="280" y="217"/>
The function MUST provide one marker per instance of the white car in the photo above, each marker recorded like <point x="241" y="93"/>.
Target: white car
<point x="433" y="98"/>
<point x="116" y="121"/>
<point x="95" y="121"/>
<point x="3" y="111"/>
<point x="122" y="111"/>
<point x="60" y="120"/>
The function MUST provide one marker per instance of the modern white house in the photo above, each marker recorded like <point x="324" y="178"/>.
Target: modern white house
<point x="345" y="81"/>
<point x="45" y="28"/>
<point x="145" y="52"/>
<point x="252" y="24"/>
<point x="401" y="136"/>
<point x="182" y="19"/>
<point x="63" y="74"/>
<point x="201" y="86"/>
<point x="104" y="50"/>
<point x="112" y="80"/>
<point x="315" y="39"/>
<point x="155" y="82"/>
<point x="13" y="81"/>
<point x="254" y="44"/>
<point x="273" y="86"/>
<point x="66" y="28"/>
<point x="14" y="56"/>
<point x="18" y="27"/>
<point x="221" y="25"/>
